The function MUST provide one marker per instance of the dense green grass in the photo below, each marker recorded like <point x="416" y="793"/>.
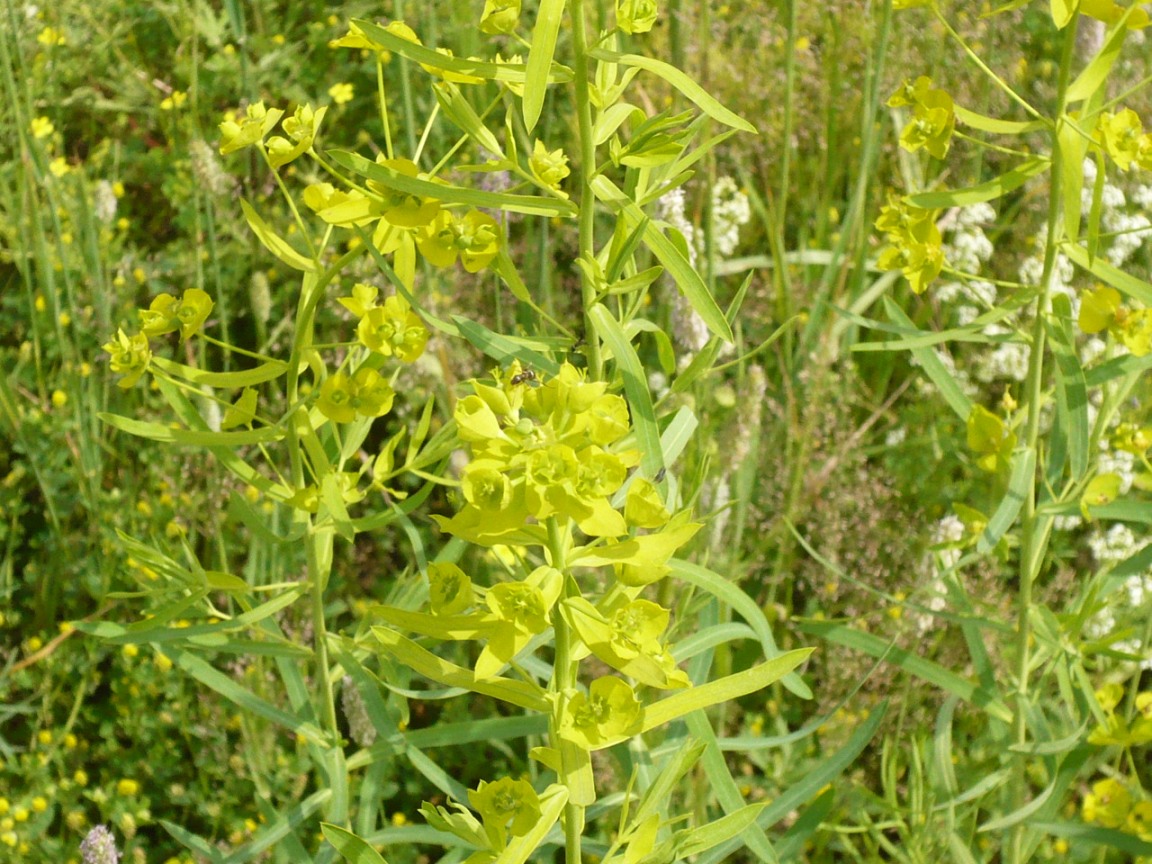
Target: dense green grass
<point x="839" y="486"/>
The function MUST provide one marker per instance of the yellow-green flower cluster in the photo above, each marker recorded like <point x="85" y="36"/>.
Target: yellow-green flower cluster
<point x="1117" y="729"/>
<point x="1101" y="309"/>
<point x="541" y="451"/>
<point x="1123" y="138"/>
<point x="915" y="245"/>
<point x="131" y="354"/>
<point x="933" y="117"/>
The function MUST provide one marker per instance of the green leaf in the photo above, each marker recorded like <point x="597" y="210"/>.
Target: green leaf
<point x="532" y="205"/>
<point x="1023" y="475"/>
<point x="540" y="59"/>
<point x="189" y="437"/>
<point x="1071" y="388"/>
<point x="274" y="243"/>
<point x="693" y="841"/>
<point x="1095" y="74"/>
<point x="926" y="670"/>
<point x="1095" y="835"/>
<point x="824" y="771"/>
<point x="424" y="662"/>
<point x="459" y="110"/>
<point x="934" y="367"/>
<point x="507" y="72"/>
<point x="791" y="845"/>
<point x="987" y="191"/>
<point x="723" y="689"/>
<point x="1063" y="12"/>
<point x="725" y="789"/>
<point x="1123" y="282"/>
<point x="731" y="594"/>
<point x="996" y="126"/>
<point x="191" y="841"/>
<point x="213" y="679"/>
<point x="502" y="348"/>
<point x="666" y="252"/>
<point x="687" y="87"/>
<point x="1073" y="146"/>
<point x="635" y="387"/>
<point x="285" y="823"/>
<point x="351" y="848"/>
<point x="268" y="371"/>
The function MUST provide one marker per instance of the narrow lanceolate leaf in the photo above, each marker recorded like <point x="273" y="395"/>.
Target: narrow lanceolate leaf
<point x="504" y="348"/>
<point x="1073" y="146"/>
<point x="995" y="126"/>
<point x="826" y="770"/>
<point x="540" y="59"/>
<point x="682" y="272"/>
<point x="512" y="73"/>
<point x="531" y="205"/>
<point x="351" y="848"/>
<point x="723" y="689"/>
<point x="160" y="432"/>
<point x="927" y="670"/>
<point x="227" y="380"/>
<point x="1123" y="282"/>
<point x="635" y="388"/>
<point x="986" y="191"/>
<point x="273" y="242"/>
<point x="1022" y="476"/>
<point x="460" y="112"/>
<point x="1071" y="389"/>
<point x="692" y="91"/>
<point x="434" y="668"/>
<point x="1096" y="72"/>
<point x="929" y="361"/>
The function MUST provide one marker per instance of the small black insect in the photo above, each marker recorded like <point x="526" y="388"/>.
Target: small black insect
<point x="660" y="475"/>
<point x="523" y="377"/>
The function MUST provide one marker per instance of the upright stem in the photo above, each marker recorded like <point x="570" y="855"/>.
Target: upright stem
<point x="564" y="677"/>
<point x="587" y="168"/>
<point x="1033" y="537"/>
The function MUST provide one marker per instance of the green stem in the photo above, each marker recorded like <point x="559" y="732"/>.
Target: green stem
<point x="1034" y="530"/>
<point x="564" y="680"/>
<point x="587" y="200"/>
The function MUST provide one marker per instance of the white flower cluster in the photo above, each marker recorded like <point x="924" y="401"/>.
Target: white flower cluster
<point x="1127" y="230"/>
<point x="948" y="530"/>
<point x="730" y="210"/>
<point x="1116" y="544"/>
<point x="104" y="202"/>
<point x="968" y="248"/>
<point x="670" y="208"/>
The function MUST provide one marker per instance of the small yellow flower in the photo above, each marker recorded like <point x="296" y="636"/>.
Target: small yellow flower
<point x="40" y="303"/>
<point x="42" y="127"/>
<point x="130" y="650"/>
<point x="71" y="741"/>
<point x="34" y="644"/>
<point x="44" y="736"/>
<point x="50" y="37"/>
<point x="59" y="166"/>
<point x="65" y="319"/>
<point x="341" y="93"/>
<point x="163" y="663"/>
<point x="174" y="102"/>
<point x="20" y="814"/>
<point x="278" y="39"/>
<point x="399" y="819"/>
<point x="127" y="787"/>
<point x="9" y="838"/>
<point x="4" y="806"/>
<point x="59" y="398"/>
<point x="80" y="778"/>
<point x="39" y="804"/>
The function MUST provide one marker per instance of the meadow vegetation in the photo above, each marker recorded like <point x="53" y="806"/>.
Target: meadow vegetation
<point x="575" y="430"/>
